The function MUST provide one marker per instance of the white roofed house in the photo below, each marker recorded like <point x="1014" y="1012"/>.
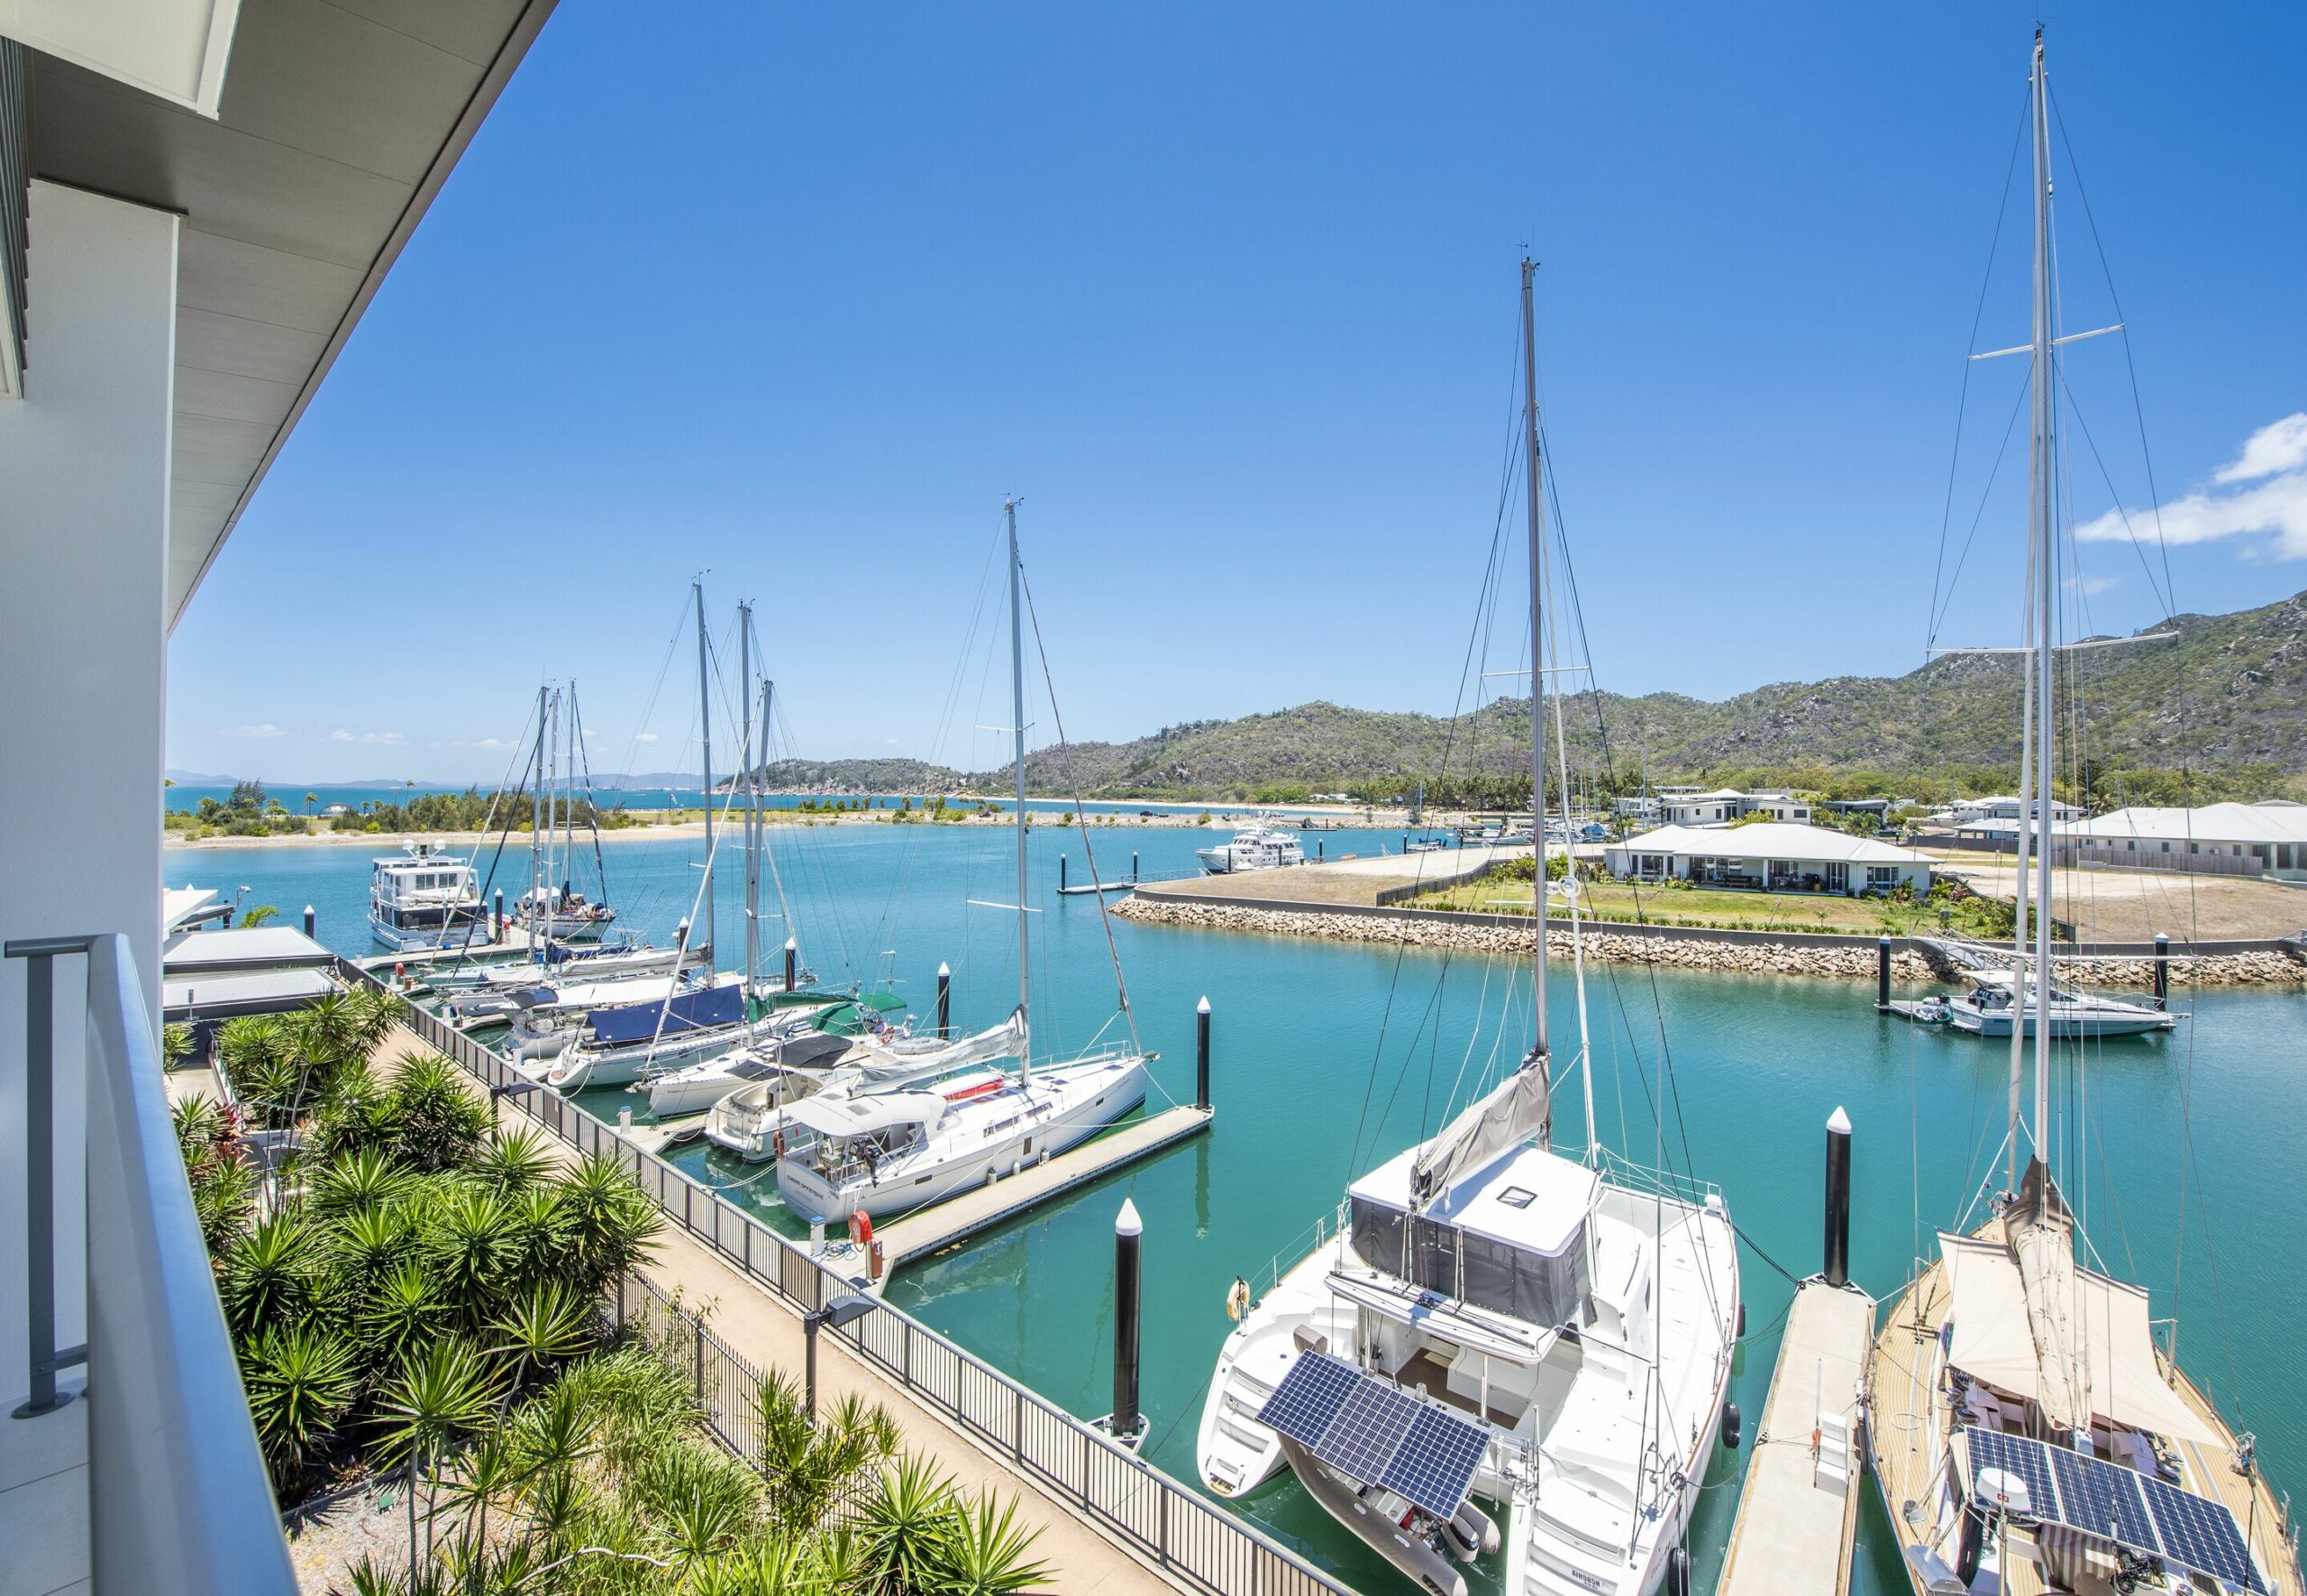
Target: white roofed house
<point x="1769" y="856"/>
<point x="2273" y="832"/>
<point x="1727" y="804"/>
<point x="198" y="200"/>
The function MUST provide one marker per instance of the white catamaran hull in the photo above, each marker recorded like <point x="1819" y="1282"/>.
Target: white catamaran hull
<point x="2067" y="1024"/>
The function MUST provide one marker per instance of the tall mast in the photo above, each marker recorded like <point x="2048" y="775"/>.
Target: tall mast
<point x="569" y="788"/>
<point x="542" y="909"/>
<point x="1537" y="677"/>
<point x="705" y="721"/>
<point x="746" y="764"/>
<point x="1017" y="722"/>
<point x="536" y="823"/>
<point x="2042" y="504"/>
<point x="761" y="831"/>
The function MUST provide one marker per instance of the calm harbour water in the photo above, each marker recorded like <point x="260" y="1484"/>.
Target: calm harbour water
<point x="1315" y="1041"/>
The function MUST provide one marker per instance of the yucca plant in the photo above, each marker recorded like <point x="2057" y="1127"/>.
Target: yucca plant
<point x="700" y="1501"/>
<point x="367" y="1179"/>
<point x="224" y="1196"/>
<point x="364" y="1247"/>
<point x="402" y="1315"/>
<point x="443" y="1391"/>
<point x="547" y="1326"/>
<point x="376" y="1012"/>
<point x="536" y="1237"/>
<point x="357" y="1112"/>
<point x="441" y="1122"/>
<point x="984" y="1551"/>
<point x="513" y="1160"/>
<point x="268" y="1275"/>
<point x="612" y="1225"/>
<point x="905" y="1525"/>
<point x="299" y="1381"/>
<point x="468" y="1242"/>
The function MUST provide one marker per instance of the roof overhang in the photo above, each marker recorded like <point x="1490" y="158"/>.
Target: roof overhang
<point x="336" y="123"/>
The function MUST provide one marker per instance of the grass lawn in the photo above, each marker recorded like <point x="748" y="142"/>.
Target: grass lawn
<point x="1698" y="906"/>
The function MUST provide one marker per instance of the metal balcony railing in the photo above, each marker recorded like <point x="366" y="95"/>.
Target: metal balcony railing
<point x="178" y="1499"/>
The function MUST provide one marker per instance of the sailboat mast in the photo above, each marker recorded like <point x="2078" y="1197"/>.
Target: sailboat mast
<point x="1018" y="720"/>
<point x="569" y="789"/>
<point x="2042" y="513"/>
<point x="536" y="822"/>
<point x="761" y="829"/>
<point x="543" y="908"/>
<point x="1537" y="677"/>
<point x="746" y="764"/>
<point x="704" y="723"/>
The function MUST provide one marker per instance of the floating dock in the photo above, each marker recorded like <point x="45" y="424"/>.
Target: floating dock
<point x="1097" y="887"/>
<point x="1911" y="1008"/>
<point x="1798" y="1513"/>
<point x="957" y="1218"/>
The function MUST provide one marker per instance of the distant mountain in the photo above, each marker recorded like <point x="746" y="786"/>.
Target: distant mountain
<point x="2227" y="695"/>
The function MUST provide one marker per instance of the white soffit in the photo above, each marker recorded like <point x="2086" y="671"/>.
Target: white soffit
<point x="174" y="48"/>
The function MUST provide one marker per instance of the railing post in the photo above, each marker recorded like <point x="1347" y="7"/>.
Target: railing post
<point x="1017" y="1430"/>
<point x="40" y="1183"/>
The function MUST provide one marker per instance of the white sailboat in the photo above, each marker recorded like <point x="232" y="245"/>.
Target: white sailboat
<point x="1999" y="998"/>
<point x="2028" y="1431"/>
<point x="883" y="1149"/>
<point x="1559" y="1329"/>
<point x="748" y="1118"/>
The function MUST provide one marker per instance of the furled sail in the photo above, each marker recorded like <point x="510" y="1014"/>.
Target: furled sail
<point x="1518" y="1110"/>
<point x="912" y="1060"/>
<point x="2042" y="1244"/>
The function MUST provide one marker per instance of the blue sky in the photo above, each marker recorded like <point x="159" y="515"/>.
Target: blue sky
<point x="794" y="295"/>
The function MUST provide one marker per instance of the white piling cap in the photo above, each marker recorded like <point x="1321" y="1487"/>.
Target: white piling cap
<point x="1127" y="1222"/>
<point x="1202" y="1007"/>
<point x="309" y="908"/>
<point x="1841" y="1123"/>
<point x="944" y="971"/>
<point x="790" y="945"/>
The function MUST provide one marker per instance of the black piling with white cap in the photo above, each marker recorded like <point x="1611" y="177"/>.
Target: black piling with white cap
<point x="2161" y="970"/>
<point x="1883" y="973"/>
<point x="1128" y="1234"/>
<point x="309" y="920"/>
<point x="499" y="921"/>
<point x="1201" y="1055"/>
<point x="944" y="1001"/>
<point x="792" y="964"/>
<point x="1061" y="873"/>
<point x="1837" y="1270"/>
<point x="1133" y="867"/>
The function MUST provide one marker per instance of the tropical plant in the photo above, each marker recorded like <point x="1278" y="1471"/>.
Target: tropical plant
<point x="441" y="1122"/>
<point x="268" y="1276"/>
<point x="258" y="915"/>
<point x="299" y="1381"/>
<point x="984" y="1551"/>
<point x="905" y="1523"/>
<point x="445" y="1392"/>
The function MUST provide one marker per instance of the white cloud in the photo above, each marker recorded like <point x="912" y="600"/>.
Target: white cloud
<point x="265" y="729"/>
<point x="2090" y="587"/>
<point x="2279" y="446"/>
<point x="2273" y="460"/>
<point x="498" y="743"/>
<point x="339" y="735"/>
<point x="645" y="738"/>
<point x="390" y="739"/>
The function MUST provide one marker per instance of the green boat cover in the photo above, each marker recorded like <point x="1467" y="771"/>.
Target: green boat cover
<point x="848" y="1018"/>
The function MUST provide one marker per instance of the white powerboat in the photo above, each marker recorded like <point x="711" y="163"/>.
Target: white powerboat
<point x="566" y="915"/>
<point x="750" y="1122"/>
<point x="1988" y="1008"/>
<point x="811" y="1056"/>
<point x="1254" y="847"/>
<point x="423" y="899"/>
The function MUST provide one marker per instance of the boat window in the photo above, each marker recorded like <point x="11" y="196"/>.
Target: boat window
<point x="1517" y="1197"/>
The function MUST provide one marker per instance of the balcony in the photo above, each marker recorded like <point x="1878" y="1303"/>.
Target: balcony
<point x="130" y="1464"/>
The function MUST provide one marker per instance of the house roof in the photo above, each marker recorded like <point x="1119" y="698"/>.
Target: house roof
<point x="1771" y="839"/>
<point x="256" y="947"/>
<point x="2276" y="822"/>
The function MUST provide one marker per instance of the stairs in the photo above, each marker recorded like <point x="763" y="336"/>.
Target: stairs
<point x="1830" y="1463"/>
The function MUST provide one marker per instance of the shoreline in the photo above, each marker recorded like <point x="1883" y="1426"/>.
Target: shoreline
<point x="783" y="819"/>
<point x="1788" y="955"/>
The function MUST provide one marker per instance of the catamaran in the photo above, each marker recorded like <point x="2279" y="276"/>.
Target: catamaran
<point x="880" y="1150"/>
<point x="2001" y="997"/>
<point x="1492" y="1318"/>
<point x="748" y="1119"/>
<point x="2028" y="1431"/>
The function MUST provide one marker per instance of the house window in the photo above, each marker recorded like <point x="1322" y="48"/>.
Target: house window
<point x="1882" y="875"/>
<point x="1837" y="875"/>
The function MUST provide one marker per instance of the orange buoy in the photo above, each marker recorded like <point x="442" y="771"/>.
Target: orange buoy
<point x="861" y="1229"/>
<point x="776" y="1141"/>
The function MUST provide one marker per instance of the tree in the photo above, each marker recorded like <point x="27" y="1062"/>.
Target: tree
<point x="258" y="915"/>
<point x="248" y="796"/>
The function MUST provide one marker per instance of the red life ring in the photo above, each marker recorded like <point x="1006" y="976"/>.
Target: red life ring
<point x="777" y="1142"/>
<point x="861" y="1228"/>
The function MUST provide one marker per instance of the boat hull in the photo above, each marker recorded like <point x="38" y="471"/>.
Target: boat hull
<point x="901" y="1190"/>
<point x="2086" y="1026"/>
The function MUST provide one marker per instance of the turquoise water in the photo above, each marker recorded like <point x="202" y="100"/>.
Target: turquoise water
<point x="1330" y="1057"/>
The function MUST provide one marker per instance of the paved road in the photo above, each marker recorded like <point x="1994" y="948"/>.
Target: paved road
<point x="2132" y="906"/>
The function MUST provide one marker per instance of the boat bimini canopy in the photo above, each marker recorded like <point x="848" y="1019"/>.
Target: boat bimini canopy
<point x="1511" y="1237"/>
<point x="840" y="1115"/>
<point x="2103" y="1323"/>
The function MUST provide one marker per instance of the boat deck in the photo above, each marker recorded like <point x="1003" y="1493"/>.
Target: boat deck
<point x="1909" y="1418"/>
<point x="1798" y="1512"/>
<point x="937" y="1228"/>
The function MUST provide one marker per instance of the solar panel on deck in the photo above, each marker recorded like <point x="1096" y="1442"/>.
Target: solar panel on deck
<point x="2114" y="1504"/>
<point x="1375" y="1433"/>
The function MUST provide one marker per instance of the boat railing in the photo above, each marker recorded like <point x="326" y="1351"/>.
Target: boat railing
<point x="1189" y="1538"/>
<point x="1674" y="1183"/>
<point x="177" y="1495"/>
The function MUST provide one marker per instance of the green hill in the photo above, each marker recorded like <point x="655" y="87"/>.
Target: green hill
<point x="2226" y="699"/>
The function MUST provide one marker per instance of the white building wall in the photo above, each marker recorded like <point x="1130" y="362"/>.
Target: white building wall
<point x="84" y="497"/>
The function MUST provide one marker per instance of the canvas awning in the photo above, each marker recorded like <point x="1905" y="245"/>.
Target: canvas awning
<point x="836" y="1114"/>
<point x="2102" y="1322"/>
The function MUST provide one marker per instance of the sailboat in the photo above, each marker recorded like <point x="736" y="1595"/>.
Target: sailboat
<point x="1548" y="1333"/>
<point x="883" y="1148"/>
<point x="2029" y="1432"/>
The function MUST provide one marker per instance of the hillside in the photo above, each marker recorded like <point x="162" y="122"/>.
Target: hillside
<point x="2224" y="697"/>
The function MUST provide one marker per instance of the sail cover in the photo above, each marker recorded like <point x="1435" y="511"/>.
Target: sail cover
<point x="705" y="1009"/>
<point x="1518" y="1110"/>
<point x="2107" y="1369"/>
<point x="1004" y="1041"/>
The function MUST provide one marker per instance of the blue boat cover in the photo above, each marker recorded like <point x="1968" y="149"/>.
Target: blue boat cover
<point x="685" y="1011"/>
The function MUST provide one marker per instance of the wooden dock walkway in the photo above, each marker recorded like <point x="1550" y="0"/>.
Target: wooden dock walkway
<point x="1798" y="1512"/>
<point x="935" y="1228"/>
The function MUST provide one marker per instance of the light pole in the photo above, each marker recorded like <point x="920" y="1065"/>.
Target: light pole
<point x="845" y="1309"/>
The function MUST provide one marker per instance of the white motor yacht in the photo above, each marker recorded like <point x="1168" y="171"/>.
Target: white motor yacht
<point x="1254" y="847"/>
<point x="1987" y="1009"/>
<point x="568" y="916"/>
<point x="423" y="899"/>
